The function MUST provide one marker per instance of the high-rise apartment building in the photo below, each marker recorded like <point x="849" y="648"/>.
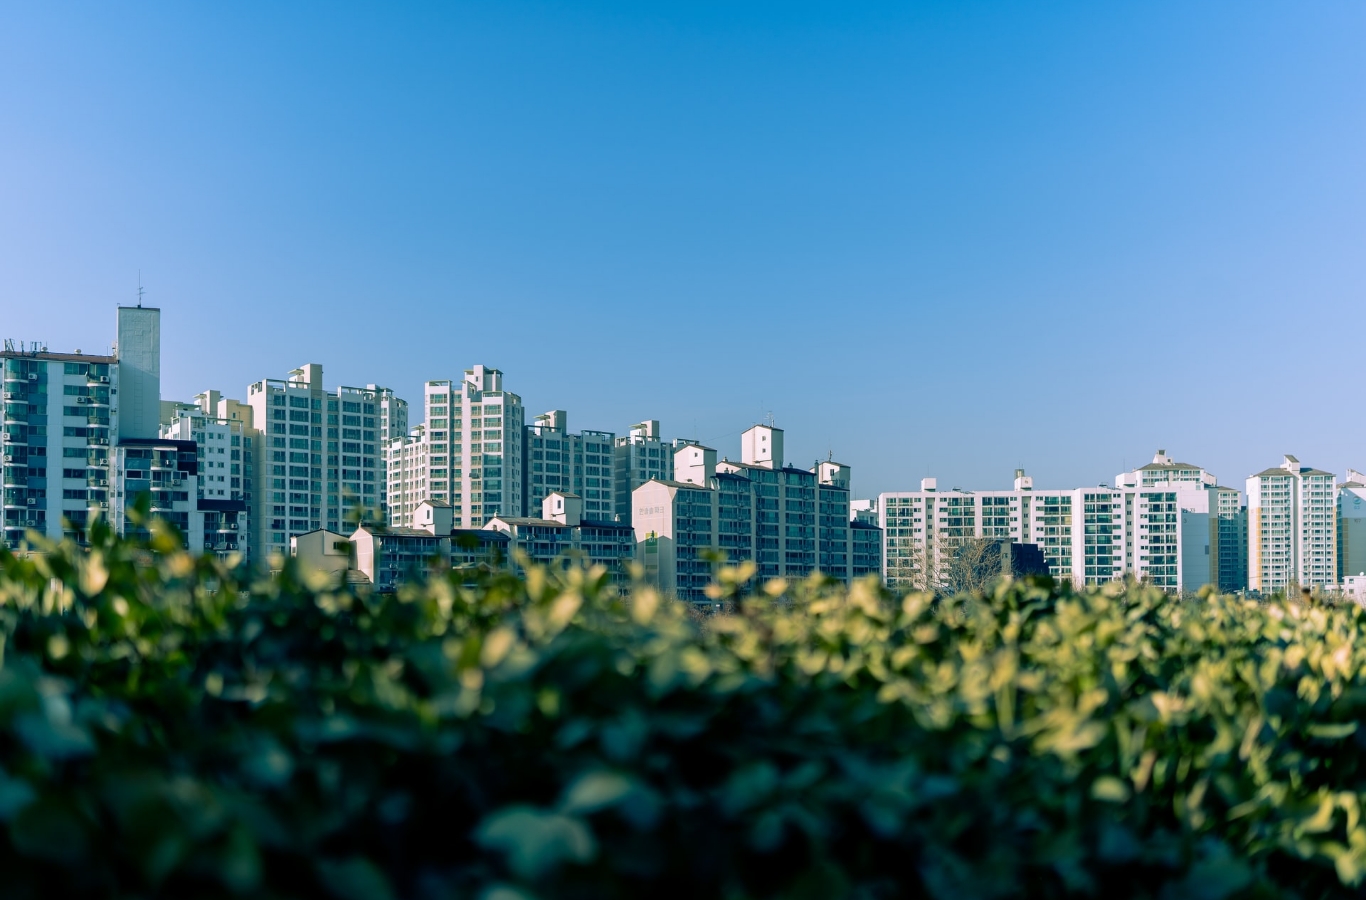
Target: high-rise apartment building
<point x="406" y="474"/>
<point x="1168" y="523"/>
<point x="578" y="464"/>
<point x="789" y="521"/>
<point x="64" y="417"/>
<point x="468" y="455"/>
<point x="319" y="455"/>
<point x="641" y="455"/>
<point x="1352" y="526"/>
<point x="1292" y="528"/>
<point x="224" y="443"/>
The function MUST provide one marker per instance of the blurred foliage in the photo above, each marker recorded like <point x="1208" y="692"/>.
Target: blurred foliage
<point x="171" y="726"/>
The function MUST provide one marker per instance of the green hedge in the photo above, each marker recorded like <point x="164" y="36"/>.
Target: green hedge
<point x="171" y="727"/>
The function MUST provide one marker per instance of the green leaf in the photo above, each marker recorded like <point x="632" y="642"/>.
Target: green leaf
<point x="536" y="842"/>
<point x="593" y="791"/>
<point x="1109" y="789"/>
<point x="354" y="878"/>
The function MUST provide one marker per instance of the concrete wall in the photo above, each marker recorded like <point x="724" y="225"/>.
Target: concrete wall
<point x="139" y="355"/>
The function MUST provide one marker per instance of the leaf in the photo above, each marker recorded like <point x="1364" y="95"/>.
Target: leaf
<point x="15" y="794"/>
<point x="593" y="791"/>
<point x="535" y="842"/>
<point x="354" y="878"/>
<point x="1109" y="789"/>
<point x="51" y="831"/>
<point x="1333" y="731"/>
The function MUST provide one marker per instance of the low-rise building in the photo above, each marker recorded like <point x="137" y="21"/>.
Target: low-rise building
<point x="562" y="533"/>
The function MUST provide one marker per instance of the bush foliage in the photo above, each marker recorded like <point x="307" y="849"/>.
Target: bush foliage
<point x="170" y="726"/>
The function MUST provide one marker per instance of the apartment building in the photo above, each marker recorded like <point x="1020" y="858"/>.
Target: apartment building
<point x="1351" y="526"/>
<point x="789" y="521"/>
<point x="319" y="455"/>
<point x="579" y="464"/>
<point x="406" y="459"/>
<point x="224" y="443"/>
<point x="64" y="415"/>
<point x="563" y="531"/>
<point x="641" y="455"/>
<point x="1292" y="528"/>
<point x="1168" y="523"/>
<point x="164" y="472"/>
<point x="469" y="454"/>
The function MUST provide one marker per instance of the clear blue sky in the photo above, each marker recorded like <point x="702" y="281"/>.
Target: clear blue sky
<point x="936" y="238"/>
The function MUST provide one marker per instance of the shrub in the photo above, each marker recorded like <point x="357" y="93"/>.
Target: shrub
<point x="171" y="726"/>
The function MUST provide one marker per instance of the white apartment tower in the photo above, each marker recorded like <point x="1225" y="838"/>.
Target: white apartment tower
<point x="789" y="521"/>
<point x="319" y="455"/>
<point x="1292" y="528"/>
<point x="224" y="440"/>
<point x="1163" y="523"/>
<point x="469" y="455"/>
<point x="406" y="473"/>
<point x="578" y="464"/>
<point x="640" y="456"/>
<point x="64" y="416"/>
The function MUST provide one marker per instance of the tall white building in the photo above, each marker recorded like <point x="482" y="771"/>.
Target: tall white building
<point x="469" y="454"/>
<point x="579" y="464"/>
<point x="221" y="431"/>
<point x="789" y="521"/>
<point x="64" y="415"/>
<point x="639" y="456"/>
<point x="406" y="472"/>
<point x="1162" y="523"/>
<point x="1352" y="526"/>
<point x="319" y="455"/>
<point x="1292" y="528"/>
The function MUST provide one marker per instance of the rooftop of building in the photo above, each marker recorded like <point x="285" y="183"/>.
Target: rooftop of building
<point x="1281" y="471"/>
<point x="552" y="523"/>
<point x="58" y="357"/>
<point x="683" y="484"/>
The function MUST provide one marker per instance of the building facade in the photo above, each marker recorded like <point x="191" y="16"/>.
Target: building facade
<point x="1292" y="528"/>
<point x="1167" y="523"/>
<point x="1351" y="525"/>
<point x="468" y="455"/>
<point x="64" y="415"/>
<point x="319" y="456"/>
<point x="641" y="455"/>
<point x="789" y="521"/>
<point x="558" y="460"/>
<point x="563" y="532"/>
<point x="224" y="443"/>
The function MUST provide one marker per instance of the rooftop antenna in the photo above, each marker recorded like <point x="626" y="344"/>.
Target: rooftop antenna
<point x="140" y="289"/>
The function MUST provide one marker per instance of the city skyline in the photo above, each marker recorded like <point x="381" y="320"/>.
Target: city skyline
<point x="938" y="240"/>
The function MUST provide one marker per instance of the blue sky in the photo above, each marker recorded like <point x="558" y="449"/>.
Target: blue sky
<point x="932" y="239"/>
